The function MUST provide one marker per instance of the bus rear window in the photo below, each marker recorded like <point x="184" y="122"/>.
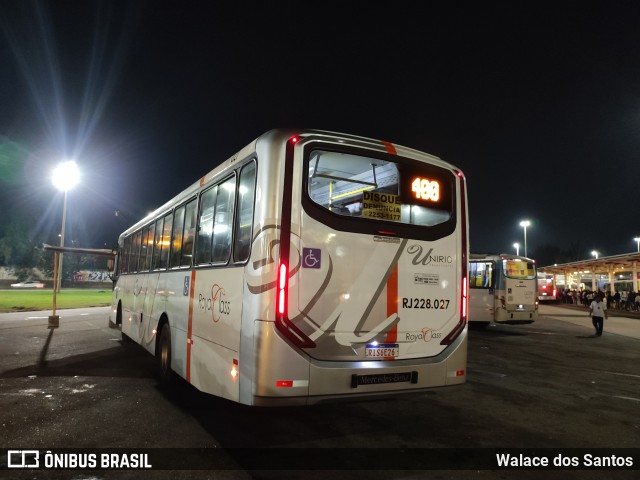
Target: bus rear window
<point x="520" y="269"/>
<point x="374" y="189"/>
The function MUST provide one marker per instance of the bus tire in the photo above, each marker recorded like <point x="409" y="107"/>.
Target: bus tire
<point x="164" y="356"/>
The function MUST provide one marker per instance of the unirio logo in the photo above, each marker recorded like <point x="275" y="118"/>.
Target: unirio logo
<point x="427" y="258"/>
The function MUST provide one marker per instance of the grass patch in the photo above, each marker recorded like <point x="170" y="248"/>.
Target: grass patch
<point x="28" y="300"/>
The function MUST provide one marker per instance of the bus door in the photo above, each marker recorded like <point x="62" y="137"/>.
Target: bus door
<point x="482" y="295"/>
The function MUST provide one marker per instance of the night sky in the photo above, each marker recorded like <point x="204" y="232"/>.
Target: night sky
<point x="539" y="105"/>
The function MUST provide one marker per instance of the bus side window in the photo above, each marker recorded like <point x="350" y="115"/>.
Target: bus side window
<point x="148" y="246"/>
<point x="126" y="253"/>
<point x="223" y="224"/>
<point x="189" y="233"/>
<point x="135" y="265"/>
<point x="246" y="197"/>
<point x="205" y="226"/>
<point x="176" y="239"/>
<point x="166" y="241"/>
<point x="157" y="245"/>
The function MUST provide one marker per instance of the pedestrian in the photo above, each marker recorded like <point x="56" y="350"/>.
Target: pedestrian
<point x="598" y="312"/>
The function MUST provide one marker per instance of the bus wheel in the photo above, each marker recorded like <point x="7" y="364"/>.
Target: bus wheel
<point x="164" y="356"/>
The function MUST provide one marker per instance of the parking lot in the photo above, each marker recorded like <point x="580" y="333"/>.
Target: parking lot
<point x="547" y="385"/>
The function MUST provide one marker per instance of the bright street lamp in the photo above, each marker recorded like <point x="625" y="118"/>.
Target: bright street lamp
<point x="637" y="239"/>
<point x="517" y="247"/>
<point x="595" y="253"/>
<point x="65" y="176"/>
<point x="525" y="224"/>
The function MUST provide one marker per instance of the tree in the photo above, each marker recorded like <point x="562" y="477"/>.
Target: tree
<point x="17" y="248"/>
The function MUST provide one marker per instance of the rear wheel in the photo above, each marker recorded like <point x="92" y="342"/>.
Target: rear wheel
<point x="164" y="356"/>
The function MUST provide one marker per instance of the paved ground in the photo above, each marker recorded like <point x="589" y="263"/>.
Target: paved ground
<point x="545" y="385"/>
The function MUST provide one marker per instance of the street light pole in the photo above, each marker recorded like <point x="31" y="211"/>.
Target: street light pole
<point x="525" y="224"/>
<point x="595" y="253"/>
<point x="637" y="239"/>
<point x="65" y="176"/>
<point x="517" y="247"/>
<point x="64" y="221"/>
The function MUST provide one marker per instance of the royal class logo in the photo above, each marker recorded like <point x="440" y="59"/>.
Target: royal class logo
<point x="426" y="335"/>
<point x="215" y="304"/>
<point x="420" y="257"/>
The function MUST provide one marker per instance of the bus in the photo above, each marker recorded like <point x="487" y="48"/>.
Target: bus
<point x="502" y="289"/>
<point x="310" y="266"/>
<point x="547" y="289"/>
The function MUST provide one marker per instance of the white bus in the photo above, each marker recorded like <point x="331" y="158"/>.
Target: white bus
<point x="502" y="289"/>
<point x="309" y="266"/>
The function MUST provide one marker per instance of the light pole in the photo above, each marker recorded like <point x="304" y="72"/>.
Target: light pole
<point x="517" y="247"/>
<point x="524" y="224"/>
<point x="595" y="253"/>
<point x="65" y="176"/>
<point x="637" y="239"/>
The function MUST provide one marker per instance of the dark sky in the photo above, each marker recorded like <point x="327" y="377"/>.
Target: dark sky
<point x="538" y="104"/>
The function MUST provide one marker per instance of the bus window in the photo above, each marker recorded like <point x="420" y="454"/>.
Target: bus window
<point x="372" y="188"/>
<point x="222" y="224"/>
<point x="176" y="239"/>
<point x="147" y="247"/>
<point x="480" y="274"/>
<point x="517" y="268"/>
<point x="126" y="255"/>
<point x="246" y="191"/>
<point x="136" y="265"/>
<point x="157" y="245"/>
<point x="165" y="243"/>
<point x="189" y="233"/>
<point x="205" y="231"/>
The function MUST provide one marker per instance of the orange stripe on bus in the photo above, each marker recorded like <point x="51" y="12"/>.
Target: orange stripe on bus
<point x="192" y="289"/>
<point x="389" y="147"/>
<point x="392" y="303"/>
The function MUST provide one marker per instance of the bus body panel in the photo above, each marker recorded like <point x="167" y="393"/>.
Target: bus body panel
<point x="482" y="305"/>
<point x="407" y="292"/>
<point x="216" y="314"/>
<point x="304" y="380"/>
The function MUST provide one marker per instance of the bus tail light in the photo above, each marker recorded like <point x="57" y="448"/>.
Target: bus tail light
<point x="283" y="324"/>
<point x="465" y="299"/>
<point x="464" y="294"/>
<point x="448" y="340"/>
<point x="234" y="369"/>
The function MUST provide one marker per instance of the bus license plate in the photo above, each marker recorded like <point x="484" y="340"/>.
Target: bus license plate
<point x="382" y="350"/>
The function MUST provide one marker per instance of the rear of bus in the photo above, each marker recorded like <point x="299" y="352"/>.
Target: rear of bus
<point x="370" y="284"/>
<point x="518" y="293"/>
<point x="547" y="291"/>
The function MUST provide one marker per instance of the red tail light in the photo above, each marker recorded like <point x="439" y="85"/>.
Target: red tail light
<point x="282" y="289"/>
<point x="465" y="295"/>
<point x="283" y="324"/>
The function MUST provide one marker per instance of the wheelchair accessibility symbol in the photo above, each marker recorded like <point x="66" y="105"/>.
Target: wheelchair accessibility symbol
<point x="311" y="257"/>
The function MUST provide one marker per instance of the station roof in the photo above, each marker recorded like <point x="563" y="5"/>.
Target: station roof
<point x="614" y="263"/>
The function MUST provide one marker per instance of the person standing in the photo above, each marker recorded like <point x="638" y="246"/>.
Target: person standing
<point x="598" y="312"/>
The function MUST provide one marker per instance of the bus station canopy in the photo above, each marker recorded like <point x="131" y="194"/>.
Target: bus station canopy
<point x="627" y="262"/>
